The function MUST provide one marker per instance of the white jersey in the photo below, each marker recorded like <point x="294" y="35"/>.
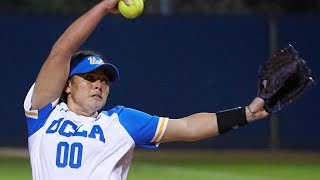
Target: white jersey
<point x="64" y="145"/>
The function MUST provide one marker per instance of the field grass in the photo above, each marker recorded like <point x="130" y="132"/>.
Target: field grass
<point x="199" y="165"/>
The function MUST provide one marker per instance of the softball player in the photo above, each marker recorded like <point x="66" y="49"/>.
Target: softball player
<point x="71" y="138"/>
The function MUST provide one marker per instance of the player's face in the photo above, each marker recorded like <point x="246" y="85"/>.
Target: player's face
<point x="88" y="92"/>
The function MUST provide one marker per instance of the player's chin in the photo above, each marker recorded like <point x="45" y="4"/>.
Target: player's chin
<point x="98" y="104"/>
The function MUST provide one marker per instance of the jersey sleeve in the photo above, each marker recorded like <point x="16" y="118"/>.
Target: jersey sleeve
<point x="145" y="129"/>
<point x="36" y="118"/>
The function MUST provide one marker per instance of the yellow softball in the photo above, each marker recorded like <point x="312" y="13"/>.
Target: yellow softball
<point x="134" y="10"/>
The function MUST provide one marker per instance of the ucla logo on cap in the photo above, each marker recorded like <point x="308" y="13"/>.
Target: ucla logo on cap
<point x="95" y="60"/>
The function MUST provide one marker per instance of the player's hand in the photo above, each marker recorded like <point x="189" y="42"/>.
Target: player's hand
<point x="112" y="5"/>
<point x="256" y="110"/>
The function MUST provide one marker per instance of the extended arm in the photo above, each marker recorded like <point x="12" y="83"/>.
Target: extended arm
<point x="282" y="79"/>
<point x="54" y="72"/>
<point x="203" y="125"/>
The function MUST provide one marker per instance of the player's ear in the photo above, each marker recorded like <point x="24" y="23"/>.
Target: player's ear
<point x="67" y="87"/>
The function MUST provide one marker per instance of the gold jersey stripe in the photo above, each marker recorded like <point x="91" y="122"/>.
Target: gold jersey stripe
<point x="160" y="130"/>
<point x="31" y="114"/>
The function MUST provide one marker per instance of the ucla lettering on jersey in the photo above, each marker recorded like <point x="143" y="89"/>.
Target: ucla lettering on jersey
<point x="72" y="146"/>
<point x="67" y="128"/>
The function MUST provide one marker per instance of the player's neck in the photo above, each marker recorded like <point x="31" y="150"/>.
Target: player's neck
<point x="81" y="111"/>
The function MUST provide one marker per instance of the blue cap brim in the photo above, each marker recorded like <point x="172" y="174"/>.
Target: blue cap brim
<point x="84" y="66"/>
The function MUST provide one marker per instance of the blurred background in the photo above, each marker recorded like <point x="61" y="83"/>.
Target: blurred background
<point x="168" y="7"/>
<point x="178" y="58"/>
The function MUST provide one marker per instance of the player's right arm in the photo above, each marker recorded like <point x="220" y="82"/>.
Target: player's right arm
<point x="55" y="70"/>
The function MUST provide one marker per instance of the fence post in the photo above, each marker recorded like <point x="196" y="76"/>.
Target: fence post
<point x="274" y="141"/>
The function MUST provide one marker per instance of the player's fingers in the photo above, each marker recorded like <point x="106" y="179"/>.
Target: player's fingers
<point x="263" y="114"/>
<point x="127" y="2"/>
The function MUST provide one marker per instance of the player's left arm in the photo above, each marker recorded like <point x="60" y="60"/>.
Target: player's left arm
<point x="283" y="78"/>
<point x="203" y="125"/>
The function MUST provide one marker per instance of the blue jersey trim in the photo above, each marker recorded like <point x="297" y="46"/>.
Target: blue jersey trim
<point x="116" y="110"/>
<point x="35" y="124"/>
<point x="140" y="126"/>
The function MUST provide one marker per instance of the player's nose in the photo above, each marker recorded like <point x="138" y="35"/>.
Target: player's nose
<point x="97" y="84"/>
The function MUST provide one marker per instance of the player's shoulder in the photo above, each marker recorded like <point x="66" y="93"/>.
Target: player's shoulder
<point x="123" y="111"/>
<point x="115" y="110"/>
